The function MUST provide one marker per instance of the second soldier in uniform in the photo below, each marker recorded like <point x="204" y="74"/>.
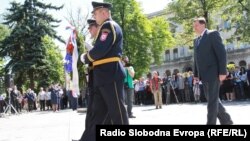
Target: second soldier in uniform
<point x="108" y="72"/>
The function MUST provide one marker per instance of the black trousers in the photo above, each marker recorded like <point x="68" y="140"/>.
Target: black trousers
<point x="1" y="106"/>
<point x="214" y="107"/>
<point x="107" y="107"/>
<point x="90" y="92"/>
<point x="42" y="105"/>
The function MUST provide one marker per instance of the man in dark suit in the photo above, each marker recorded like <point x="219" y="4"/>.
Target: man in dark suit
<point x="210" y="66"/>
<point x="108" y="72"/>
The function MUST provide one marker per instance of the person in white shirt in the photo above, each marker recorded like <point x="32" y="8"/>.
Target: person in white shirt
<point x="41" y="98"/>
<point x="48" y="99"/>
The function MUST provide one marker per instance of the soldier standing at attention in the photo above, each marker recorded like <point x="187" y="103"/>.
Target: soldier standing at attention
<point x="108" y="72"/>
<point x="93" y="29"/>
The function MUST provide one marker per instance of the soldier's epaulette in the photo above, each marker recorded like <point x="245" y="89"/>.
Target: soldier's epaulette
<point x="111" y="23"/>
<point x="106" y="30"/>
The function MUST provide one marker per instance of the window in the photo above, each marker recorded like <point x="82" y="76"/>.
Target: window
<point x="182" y="51"/>
<point x="167" y="55"/>
<point x="175" y="53"/>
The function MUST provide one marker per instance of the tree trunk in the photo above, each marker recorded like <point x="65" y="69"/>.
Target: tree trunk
<point x="31" y="77"/>
<point x="206" y="17"/>
<point x="19" y="80"/>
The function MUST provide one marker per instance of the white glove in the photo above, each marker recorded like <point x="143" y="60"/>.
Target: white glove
<point x="82" y="58"/>
<point x="88" y="46"/>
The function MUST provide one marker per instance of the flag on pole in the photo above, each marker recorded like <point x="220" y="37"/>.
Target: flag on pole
<point x="71" y="59"/>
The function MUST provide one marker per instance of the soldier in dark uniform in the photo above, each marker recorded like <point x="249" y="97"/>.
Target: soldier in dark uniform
<point x="93" y="29"/>
<point x="108" y="73"/>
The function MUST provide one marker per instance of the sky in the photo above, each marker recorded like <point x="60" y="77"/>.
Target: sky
<point x="148" y="6"/>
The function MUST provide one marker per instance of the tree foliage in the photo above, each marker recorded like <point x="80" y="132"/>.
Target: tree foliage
<point x="4" y="32"/>
<point x="188" y="9"/>
<point x="53" y="70"/>
<point x="161" y="38"/>
<point x="140" y="45"/>
<point x="183" y="12"/>
<point x="240" y="20"/>
<point x="235" y="12"/>
<point x="29" y="22"/>
<point x="137" y="31"/>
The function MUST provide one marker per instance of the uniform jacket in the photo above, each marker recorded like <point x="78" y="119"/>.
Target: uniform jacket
<point x="209" y="57"/>
<point x="108" y="44"/>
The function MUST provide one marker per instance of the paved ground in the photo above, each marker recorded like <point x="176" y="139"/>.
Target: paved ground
<point x="67" y="124"/>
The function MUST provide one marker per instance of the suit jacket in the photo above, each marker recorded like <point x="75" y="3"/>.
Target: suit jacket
<point x="108" y="44"/>
<point x="209" y="57"/>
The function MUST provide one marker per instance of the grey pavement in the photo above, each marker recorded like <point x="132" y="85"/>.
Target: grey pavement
<point x="67" y="124"/>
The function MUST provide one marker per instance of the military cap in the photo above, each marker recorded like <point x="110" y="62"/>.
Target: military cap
<point x="91" y="22"/>
<point x="97" y="5"/>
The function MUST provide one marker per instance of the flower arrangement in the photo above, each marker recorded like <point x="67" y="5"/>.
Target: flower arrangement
<point x="231" y="67"/>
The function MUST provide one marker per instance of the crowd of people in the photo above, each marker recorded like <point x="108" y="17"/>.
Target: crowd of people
<point x="175" y="88"/>
<point x="113" y="92"/>
<point x="52" y="98"/>
<point x="236" y="85"/>
<point x="181" y="88"/>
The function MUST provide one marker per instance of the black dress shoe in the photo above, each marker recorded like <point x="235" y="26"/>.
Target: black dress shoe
<point x="131" y="116"/>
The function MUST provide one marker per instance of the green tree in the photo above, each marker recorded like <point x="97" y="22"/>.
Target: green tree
<point x="240" y="21"/>
<point x="53" y="70"/>
<point x="138" y="30"/>
<point x="185" y="11"/>
<point x="29" y="22"/>
<point x="161" y="38"/>
<point x="137" y="33"/>
<point x="4" y="32"/>
<point x="245" y="20"/>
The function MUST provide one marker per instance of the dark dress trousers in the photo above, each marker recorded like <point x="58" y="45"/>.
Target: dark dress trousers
<point x="210" y="62"/>
<point x="107" y="105"/>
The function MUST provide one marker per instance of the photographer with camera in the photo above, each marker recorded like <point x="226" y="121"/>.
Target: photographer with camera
<point x="129" y="86"/>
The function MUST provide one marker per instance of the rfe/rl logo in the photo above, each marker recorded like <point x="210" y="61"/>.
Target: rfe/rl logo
<point x="226" y="132"/>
